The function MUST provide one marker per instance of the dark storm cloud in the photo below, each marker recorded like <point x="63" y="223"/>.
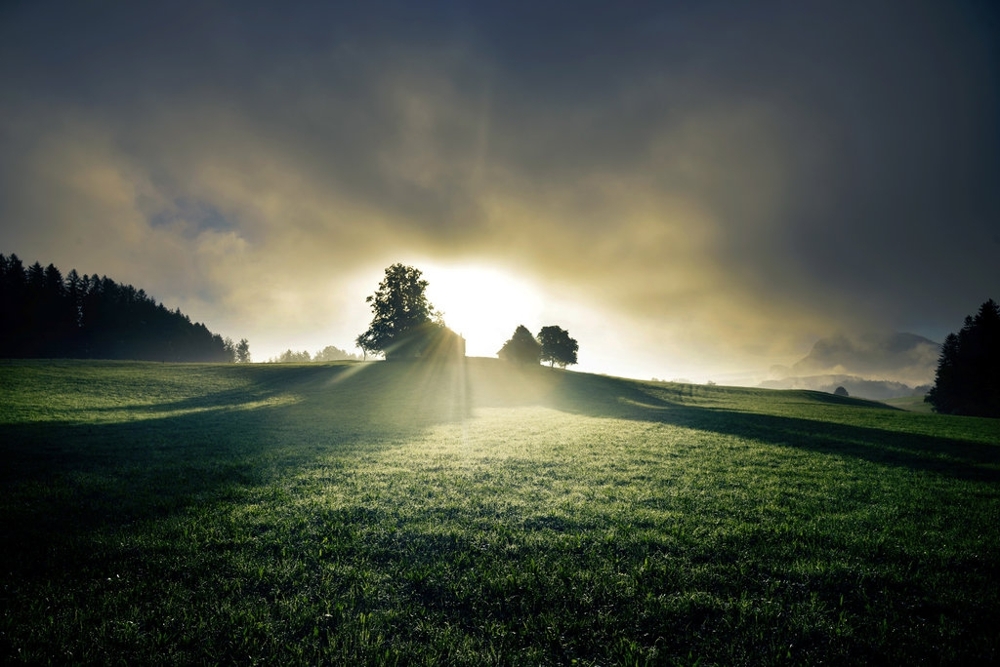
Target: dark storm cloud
<point x="887" y="135"/>
<point x="727" y="178"/>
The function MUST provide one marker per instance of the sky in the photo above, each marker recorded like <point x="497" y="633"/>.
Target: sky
<point x="695" y="190"/>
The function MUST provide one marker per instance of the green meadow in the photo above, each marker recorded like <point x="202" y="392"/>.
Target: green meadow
<point x="478" y="514"/>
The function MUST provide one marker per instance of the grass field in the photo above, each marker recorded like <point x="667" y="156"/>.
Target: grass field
<point x="911" y="403"/>
<point x="399" y="513"/>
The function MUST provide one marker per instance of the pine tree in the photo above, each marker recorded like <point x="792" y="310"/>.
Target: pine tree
<point x="967" y="380"/>
<point x="43" y="315"/>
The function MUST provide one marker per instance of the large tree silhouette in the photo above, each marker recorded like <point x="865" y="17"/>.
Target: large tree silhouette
<point x="403" y="319"/>
<point x="522" y="348"/>
<point x="557" y="346"/>
<point x="967" y="381"/>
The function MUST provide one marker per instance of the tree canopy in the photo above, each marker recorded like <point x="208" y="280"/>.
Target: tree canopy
<point x="557" y="346"/>
<point x="522" y="348"/>
<point x="967" y="381"/>
<point x="404" y="322"/>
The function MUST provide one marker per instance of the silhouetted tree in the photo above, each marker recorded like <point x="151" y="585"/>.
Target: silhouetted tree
<point x="522" y="348"/>
<point x="33" y="312"/>
<point x="967" y="381"/>
<point x="557" y="346"/>
<point x="840" y="391"/>
<point x="403" y="319"/>
<point x="75" y="289"/>
<point x="13" y="294"/>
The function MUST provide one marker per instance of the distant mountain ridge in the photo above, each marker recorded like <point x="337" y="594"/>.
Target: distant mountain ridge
<point x="872" y="366"/>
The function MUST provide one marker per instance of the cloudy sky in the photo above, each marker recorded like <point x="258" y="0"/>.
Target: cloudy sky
<point x="692" y="189"/>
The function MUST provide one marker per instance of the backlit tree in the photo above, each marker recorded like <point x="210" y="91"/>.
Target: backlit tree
<point x="243" y="351"/>
<point x="557" y="346"/>
<point x="403" y="319"/>
<point x="522" y="348"/>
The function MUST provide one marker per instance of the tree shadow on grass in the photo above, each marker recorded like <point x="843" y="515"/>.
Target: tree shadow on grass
<point x="622" y="399"/>
<point x="63" y="480"/>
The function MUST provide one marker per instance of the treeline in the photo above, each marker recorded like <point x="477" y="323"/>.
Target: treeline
<point x="328" y="353"/>
<point x="44" y="315"/>
<point x="967" y="381"/>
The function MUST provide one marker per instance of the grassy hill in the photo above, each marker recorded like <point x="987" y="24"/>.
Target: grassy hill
<point x="477" y="514"/>
<point x="911" y="403"/>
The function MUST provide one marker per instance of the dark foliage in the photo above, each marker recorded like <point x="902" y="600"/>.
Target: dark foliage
<point x="522" y="348"/>
<point x="43" y="315"/>
<point x="967" y="381"/>
<point x="557" y="346"/>
<point x="404" y="323"/>
<point x="840" y="391"/>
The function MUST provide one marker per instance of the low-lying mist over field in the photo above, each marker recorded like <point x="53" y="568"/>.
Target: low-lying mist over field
<point x="873" y="366"/>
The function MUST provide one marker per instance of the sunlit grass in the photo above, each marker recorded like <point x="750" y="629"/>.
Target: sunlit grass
<point x="477" y="514"/>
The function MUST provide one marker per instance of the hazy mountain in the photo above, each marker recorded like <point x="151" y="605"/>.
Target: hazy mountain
<point x="872" y="366"/>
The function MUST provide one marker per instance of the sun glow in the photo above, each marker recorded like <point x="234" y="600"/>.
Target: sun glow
<point x="483" y="304"/>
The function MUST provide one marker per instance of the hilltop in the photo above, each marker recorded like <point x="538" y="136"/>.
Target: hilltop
<point x="401" y="392"/>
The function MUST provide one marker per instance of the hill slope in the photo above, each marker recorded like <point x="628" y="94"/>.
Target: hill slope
<point x="476" y="513"/>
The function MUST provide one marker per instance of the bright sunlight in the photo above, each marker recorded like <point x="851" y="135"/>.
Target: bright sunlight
<point x="484" y="304"/>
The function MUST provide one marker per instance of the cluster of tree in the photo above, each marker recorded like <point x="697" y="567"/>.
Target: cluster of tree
<point x="404" y="323"/>
<point x="333" y="353"/>
<point x="289" y="356"/>
<point x="967" y="381"/>
<point x="553" y="345"/>
<point x="328" y="353"/>
<point x="43" y="315"/>
<point x="405" y="326"/>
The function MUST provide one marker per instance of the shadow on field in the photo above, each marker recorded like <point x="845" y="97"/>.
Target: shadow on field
<point x="623" y="399"/>
<point x="64" y="480"/>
